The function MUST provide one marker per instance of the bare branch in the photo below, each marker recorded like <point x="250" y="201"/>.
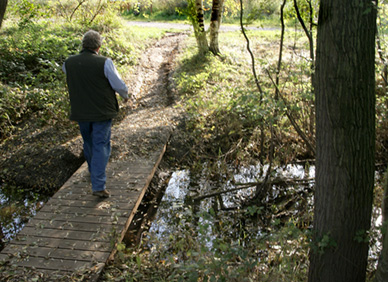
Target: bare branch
<point x="250" y="51"/>
<point x="76" y="8"/>
<point x="291" y="118"/>
<point x="241" y="186"/>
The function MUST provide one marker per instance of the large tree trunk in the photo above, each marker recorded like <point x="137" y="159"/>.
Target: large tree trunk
<point x="345" y="118"/>
<point x="3" y="7"/>
<point x="215" y="23"/>
<point x="199" y="28"/>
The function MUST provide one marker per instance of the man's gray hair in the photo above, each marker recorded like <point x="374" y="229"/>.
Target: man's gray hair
<point x="92" y="40"/>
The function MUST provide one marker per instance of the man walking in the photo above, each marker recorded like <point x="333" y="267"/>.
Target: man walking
<point x="93" y="81"/>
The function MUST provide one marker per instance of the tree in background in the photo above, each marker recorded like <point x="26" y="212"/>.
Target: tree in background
<point x="345" y="133"/>
<point x="215" y="22"/>
<point x="3" y="7"/>
<point x="198" y="22"/>
<point x="195" y="12"/>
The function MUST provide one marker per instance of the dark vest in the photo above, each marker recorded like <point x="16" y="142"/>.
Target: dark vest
<point x="91" y="95"/>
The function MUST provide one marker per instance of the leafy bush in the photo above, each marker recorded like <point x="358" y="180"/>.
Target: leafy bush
<point x="33" y="55"/>
<point x="30" y="71"/>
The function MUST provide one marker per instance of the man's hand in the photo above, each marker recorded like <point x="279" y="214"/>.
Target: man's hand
<point x="129" y="102"/>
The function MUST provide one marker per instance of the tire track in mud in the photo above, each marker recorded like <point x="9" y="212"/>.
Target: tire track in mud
<point x="152" y="83"/>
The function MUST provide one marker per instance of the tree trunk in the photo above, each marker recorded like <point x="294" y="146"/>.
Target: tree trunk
<point x="199" y="28"/>
<point x="215" y="23"/>
<point x="3" y="7"/>
<point x="345" y="118"/>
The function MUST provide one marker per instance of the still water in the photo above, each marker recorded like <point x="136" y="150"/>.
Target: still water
<point x="188" y="201"/>
<point x="215" y="214"/>
<point x="16" y="207"/>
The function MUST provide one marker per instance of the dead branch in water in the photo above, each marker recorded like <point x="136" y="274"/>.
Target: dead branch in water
<point x="241" y="186"/>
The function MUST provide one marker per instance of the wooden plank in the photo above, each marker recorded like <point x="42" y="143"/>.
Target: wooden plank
<point x="95" y="202"/>
<point x="94" y="236"/>
<point x="3" y="257"/>
<point x="107" y="209"/>
<point x="20" y="273"/>
<point x="103" y="219"/>
<point x="61" y="243"/>
<point x="57" y="253"/>
<point x="53" y="264"/>
<point x="76" y="230"/>
<point x="112" y="185"/>
<point x="67" y="225"/>
<point x="118" y="195"/>
<point x="130" y="168"/>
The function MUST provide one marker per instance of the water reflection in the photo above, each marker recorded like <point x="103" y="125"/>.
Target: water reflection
<point x="16" y="207"/>
<point x="189" y="200"/>
<point x="289" y="202"/>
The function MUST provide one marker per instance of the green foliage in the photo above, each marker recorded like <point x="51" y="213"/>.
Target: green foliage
<point x="211" y="90"/>
<point x="323" y="243"/>
<point x="190" y="12"/>
<point x="27" y="11"/>
<point x="261" y="8"/>
<point x="20" y="104"/>
<point x="32" y="55"/>
<point x="33" y="82"/>
<point x="362" y="236"/>
<point x="163" y="10"/>
<point x="305" y="10"/>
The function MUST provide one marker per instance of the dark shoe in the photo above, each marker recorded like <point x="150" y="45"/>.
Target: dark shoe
<point x="102" y="194"/>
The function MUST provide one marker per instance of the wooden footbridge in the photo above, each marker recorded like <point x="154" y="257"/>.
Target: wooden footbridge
<point x="76" y="232"/>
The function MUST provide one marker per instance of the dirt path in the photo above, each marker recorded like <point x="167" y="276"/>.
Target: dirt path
<point x="189" y="27"/>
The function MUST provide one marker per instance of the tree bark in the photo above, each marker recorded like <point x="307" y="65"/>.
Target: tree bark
<point x="199" y="28"/>
<point x="3" y="7"/>
<point x="345" y="120"/>
<point x="215" y="23"/>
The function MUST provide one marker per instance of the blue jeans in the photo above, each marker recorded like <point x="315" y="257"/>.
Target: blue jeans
<point x="96" y="136"/>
